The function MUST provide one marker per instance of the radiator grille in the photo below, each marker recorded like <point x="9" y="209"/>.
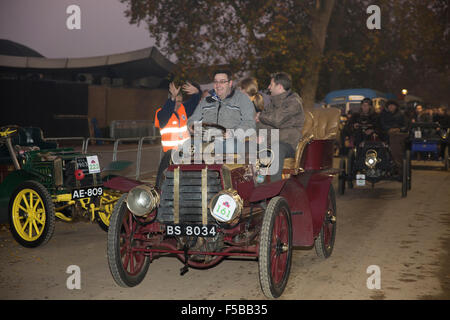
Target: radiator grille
<point x="190" y="196"/>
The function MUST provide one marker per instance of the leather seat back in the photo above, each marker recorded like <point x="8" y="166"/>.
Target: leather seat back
<point x="320" y="124"/>
<point x="326" y="123"/>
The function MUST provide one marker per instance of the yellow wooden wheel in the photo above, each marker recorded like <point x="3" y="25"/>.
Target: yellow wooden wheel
<point x="32" y="214"/>
<point x="107" y="202"/>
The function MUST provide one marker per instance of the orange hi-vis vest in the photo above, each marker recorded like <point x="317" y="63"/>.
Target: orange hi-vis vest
<point x="175" y="132"/>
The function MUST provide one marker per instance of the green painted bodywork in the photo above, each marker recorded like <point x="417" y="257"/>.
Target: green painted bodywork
<point x="36" y="169"/>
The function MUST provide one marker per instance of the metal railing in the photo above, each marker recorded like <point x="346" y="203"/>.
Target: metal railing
<point x="132" y="128"/>
<point x="84" y="150"/>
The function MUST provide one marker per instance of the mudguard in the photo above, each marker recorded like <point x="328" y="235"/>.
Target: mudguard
<point x="302" y="225"/>
<point x="307" y="196"/>
<point x="121" y="184"/>
<point x="267" y="191"/>
<point x="9" y="184"/>
<point x="317" y="191"/>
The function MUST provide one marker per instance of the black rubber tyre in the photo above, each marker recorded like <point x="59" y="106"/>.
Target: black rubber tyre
<point x="120" y="242"/>
<point x="404" y="179"/>
<point x="324" y="243"/>
<point x="275" y="257"/>
<point x="342" y="177"/>
<point x="350" y="159"/>
<point x="31" y="214"/>
<point x="408" y="162"/>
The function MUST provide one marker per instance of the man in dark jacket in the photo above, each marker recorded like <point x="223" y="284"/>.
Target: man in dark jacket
<point x="391" y="118"/>
<point x="392" y="121"/>
<point x="364" y="124"/>
<point x="285" y="113"/>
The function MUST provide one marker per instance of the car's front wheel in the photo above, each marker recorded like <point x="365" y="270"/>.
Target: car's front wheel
<point x="275" y="248"/>
<point x="128" y="266"/>
<point x="31" y="214"/>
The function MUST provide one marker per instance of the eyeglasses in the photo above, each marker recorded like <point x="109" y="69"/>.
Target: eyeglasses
<point x="221" y="82"/>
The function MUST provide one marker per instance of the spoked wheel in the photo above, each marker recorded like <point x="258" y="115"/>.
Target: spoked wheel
<point x="31" y="214"/>
<point x="341" y="178"/>
<point x="128" y="266"/>
<point x="275" y="248"/>
<point x="107" y="201"/>
<point x="324" y="243"/>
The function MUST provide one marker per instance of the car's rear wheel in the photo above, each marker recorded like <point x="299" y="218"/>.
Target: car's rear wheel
<point x="275" y="248"/>
<point x="128" y="266"/>
<point x="324" y="243"/>
<point x="31" y="214"/>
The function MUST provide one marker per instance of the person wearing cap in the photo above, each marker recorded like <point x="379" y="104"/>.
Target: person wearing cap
<point x="362" y="124"/>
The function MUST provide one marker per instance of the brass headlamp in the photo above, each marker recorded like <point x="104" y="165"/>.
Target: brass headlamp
<point x="371" y="158"/>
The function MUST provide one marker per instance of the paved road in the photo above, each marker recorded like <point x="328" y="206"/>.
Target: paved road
<point x="407" y="239"/>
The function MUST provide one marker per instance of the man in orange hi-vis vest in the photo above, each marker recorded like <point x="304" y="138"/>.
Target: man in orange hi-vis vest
<point x="172" y="119"/>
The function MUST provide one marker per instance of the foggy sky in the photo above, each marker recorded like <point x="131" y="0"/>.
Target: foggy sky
<point x="41" y="25"/>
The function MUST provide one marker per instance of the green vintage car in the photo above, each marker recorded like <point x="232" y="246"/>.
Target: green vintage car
<point x="40" y="182"/>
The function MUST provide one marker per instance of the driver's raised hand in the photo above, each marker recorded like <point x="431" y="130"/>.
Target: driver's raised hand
<point x="189" y="88"/>
<point x="174" y="91"/>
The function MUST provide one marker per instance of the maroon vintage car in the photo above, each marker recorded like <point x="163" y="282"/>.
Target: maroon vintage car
<point x="207" y="212"/>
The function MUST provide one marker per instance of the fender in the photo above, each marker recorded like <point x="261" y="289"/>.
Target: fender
<point x="267" y="191"/>
<point x="302" y="225"/>
<point x="9" y="184"/>
<point x="317" y="191"/>
<point x="122" y="184"/>
<point x="295" y="194"/>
